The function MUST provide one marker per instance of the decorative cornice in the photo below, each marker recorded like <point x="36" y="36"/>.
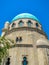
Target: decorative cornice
<point x="26" y="28"/>
<point x="29" y="45"/>
<point x="42" y="46"/>
<point x="21" y="45"/>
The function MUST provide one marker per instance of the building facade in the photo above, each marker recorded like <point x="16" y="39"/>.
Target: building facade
<point x="29" y="43"/>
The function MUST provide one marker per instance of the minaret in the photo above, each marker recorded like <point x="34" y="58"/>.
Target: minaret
<point x="6" y="27"/>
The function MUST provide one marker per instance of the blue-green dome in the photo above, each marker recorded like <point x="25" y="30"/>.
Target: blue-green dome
<point x="25" y="15"/>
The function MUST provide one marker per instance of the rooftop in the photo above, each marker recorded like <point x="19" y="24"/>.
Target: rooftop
<point x="24" y="16"/>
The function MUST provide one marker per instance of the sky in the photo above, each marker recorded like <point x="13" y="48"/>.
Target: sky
<point x="10" y="8"/>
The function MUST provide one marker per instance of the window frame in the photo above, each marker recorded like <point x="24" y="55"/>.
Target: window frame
<point x="24" y="62"/>
<point x="29" y="23"/>
<point x="37" y="25"/>
<point x="21" y="23"/>
<point x="13" y="25"/>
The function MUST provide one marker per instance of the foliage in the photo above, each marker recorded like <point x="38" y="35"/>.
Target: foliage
<point x="4" y="46"/>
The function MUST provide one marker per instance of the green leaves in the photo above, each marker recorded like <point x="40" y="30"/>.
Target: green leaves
<point x="4" y="46"/>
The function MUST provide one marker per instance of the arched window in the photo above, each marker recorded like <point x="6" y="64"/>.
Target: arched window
<point x="13" y="25"/>
<point x="20" y="39"/>
<point x="17" y="39"/>
<point x="37" y="24"/>
<point x="29" y="23"/>
<point x="8" y="61"/>
<point x="21" y="23"/>
<point x="24" y="62"/>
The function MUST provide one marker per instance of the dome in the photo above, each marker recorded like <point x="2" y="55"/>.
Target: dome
<point x="25" y="15"/>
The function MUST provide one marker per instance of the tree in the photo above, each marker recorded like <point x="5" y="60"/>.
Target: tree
<point x="4" y="46"/>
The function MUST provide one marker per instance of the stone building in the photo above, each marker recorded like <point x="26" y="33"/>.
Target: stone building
<point x="29" y="43"/>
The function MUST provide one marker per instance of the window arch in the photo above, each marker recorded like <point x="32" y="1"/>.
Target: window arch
<point x="29" y="23"/>
<point x="24" y="62"/>
<point x="37" y="24"/>
<point x="13" y="25"/>
<point x="8" y="61"/>
<point x="18" y="39"/>
<point x="21" y="23"/>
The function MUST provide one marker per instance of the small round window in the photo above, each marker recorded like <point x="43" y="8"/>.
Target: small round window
<point x="21" y="23"/>
<point x="29" y="23"/>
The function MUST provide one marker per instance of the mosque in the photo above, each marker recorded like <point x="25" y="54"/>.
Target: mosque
<point x="30" y="44"/>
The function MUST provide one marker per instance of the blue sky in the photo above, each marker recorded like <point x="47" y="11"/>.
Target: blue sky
<point x="39" y="8"/>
